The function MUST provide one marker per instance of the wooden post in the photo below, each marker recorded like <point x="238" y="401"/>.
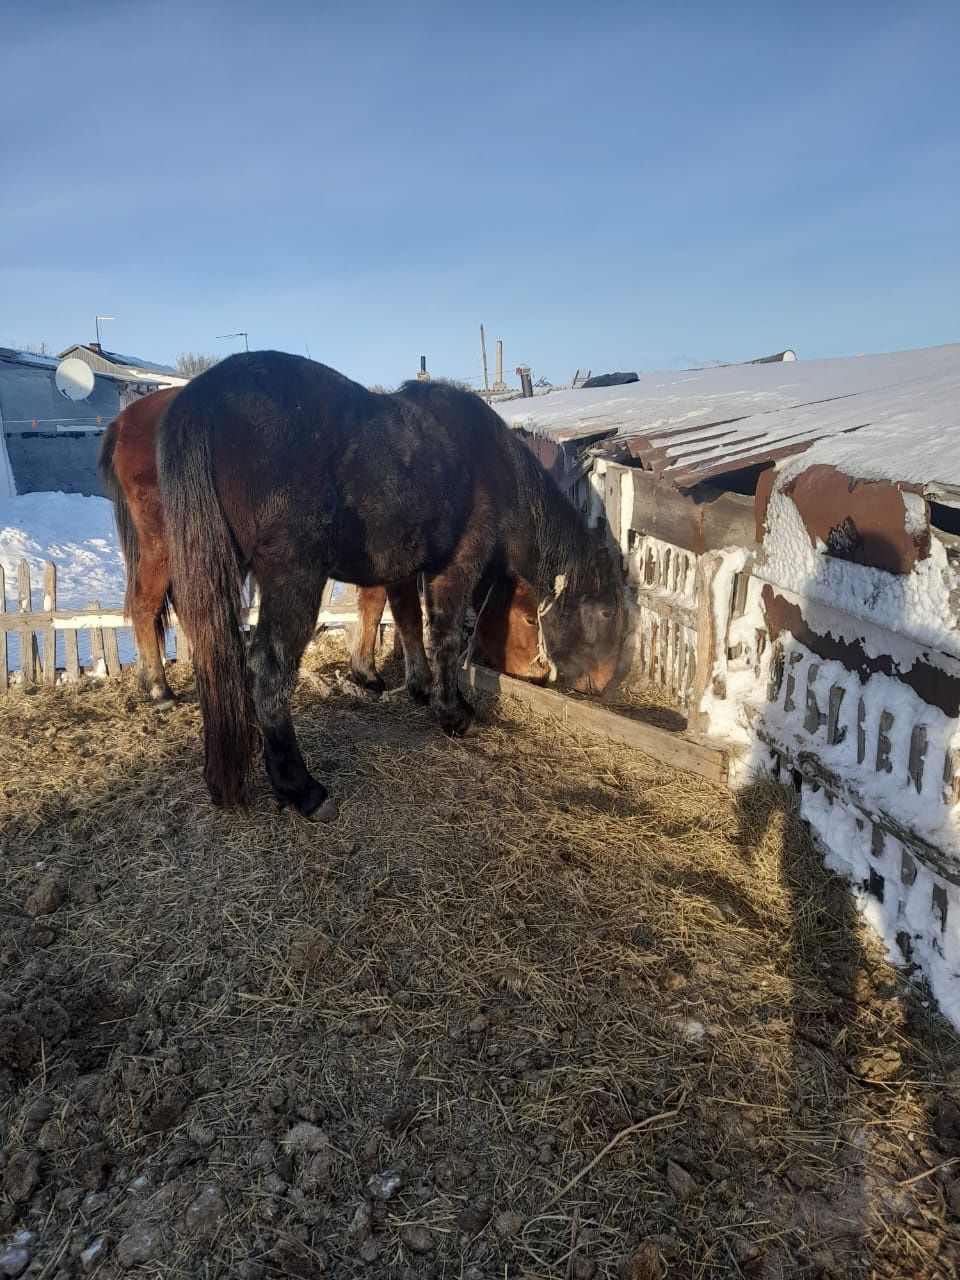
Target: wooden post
<point x="181" y="645"/>
<point x="4" y="677"/>
<point x="708" y="631"/>
<point x="96" y="641"/>
<point x="28" y="641"/>
<point x="71" y="654"/>
<point x="49" y="634"/>
<point x="111" y="651"/>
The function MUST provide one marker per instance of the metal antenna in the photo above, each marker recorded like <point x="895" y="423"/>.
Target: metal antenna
<point x="244" y="336"/>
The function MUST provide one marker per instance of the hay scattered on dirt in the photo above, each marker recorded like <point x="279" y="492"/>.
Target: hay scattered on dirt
<point x="252" y="1047"/>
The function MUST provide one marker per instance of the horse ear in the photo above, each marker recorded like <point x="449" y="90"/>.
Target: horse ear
<point x="602" y="560"/>
<point x="606" y="565"/>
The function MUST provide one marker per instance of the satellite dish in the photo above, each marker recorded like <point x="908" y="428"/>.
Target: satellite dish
<point x="74" y="379"/>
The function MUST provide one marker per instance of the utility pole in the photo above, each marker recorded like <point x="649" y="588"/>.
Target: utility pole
<point x="483" y="357"/>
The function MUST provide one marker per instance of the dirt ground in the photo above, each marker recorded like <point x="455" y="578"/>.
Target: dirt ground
<point x="536" y="1006"/>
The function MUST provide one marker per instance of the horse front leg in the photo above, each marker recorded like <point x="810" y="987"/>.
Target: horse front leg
<point x="149" y="593"/>
<point x="447" y="597"/>
<point x="408" y="617"/>
<point x="371" y="602"/>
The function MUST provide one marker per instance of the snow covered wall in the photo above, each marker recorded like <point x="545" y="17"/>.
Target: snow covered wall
<point x="844" y="677"/>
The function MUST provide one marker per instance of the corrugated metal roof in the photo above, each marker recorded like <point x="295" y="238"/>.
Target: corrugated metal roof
<point x="122" y="362"/>
<point x="898" y="414"/>
<point x="134" y="362"/>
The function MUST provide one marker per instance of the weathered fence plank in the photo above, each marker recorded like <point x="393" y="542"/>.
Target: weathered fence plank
<point x="111" y="651"/>
<point x="71" y="654"/>
<point x="49" y="635"/>
<point x="96" y="640"/>
<point x="4" y="677"/>
<point x="28" y="642"/>
<point x="102" y="626"/>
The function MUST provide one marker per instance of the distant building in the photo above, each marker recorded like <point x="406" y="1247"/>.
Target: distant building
<point x="139" y="376"/>
<point x="50" y="442"/>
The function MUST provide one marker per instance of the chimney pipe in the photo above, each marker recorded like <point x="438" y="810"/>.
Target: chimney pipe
<point x="499" y="385"/>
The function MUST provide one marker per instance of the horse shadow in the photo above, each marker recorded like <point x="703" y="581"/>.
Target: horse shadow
<point x="857" y="1033"/>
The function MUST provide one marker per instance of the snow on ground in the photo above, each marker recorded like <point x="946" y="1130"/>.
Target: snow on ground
<point x="77" y="533"/>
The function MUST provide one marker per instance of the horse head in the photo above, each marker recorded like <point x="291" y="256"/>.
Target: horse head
<point x="584" y="622"/>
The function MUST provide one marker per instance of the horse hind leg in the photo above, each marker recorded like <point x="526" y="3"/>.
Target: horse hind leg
<point x="447" y="596"/>
<point x="289" y="603"/>
<point x="371" y="602"/>
<point x="150" y="589"/>
<point x="408" y="616"/>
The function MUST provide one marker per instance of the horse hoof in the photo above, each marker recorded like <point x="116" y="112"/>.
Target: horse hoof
<point x="313" y="804"/>
<point x="373" y="685"/>
<point x="329" y="811"/>
<point x="159" y="694"/>
<point x="418" y="694"/>
<point x="326" y="811"/>
<point x="456" y="723"/>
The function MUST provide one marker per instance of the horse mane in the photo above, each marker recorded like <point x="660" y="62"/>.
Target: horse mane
<point x="563" y="543"/>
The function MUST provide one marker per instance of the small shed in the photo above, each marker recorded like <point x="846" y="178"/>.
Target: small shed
<point x="789" y="531"/>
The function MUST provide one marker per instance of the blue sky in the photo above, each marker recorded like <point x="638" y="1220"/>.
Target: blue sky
<point x="629" y="186"/>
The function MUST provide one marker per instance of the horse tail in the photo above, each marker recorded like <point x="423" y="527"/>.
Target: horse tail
<point x="126" y="529"/>
<point x="205" y="566"/>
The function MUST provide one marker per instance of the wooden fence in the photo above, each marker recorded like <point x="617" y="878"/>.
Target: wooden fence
<point x="52" y="643"/>
<point x="72" y="643"/>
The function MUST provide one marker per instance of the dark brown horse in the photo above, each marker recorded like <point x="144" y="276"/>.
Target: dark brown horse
<point x="276" y="465"/>
<point x="506" y="636"/>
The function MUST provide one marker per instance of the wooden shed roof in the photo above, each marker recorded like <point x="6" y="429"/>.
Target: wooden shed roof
<point x="894" y="416"/>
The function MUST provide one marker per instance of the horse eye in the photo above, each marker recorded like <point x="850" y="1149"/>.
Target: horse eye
<point x="531" y="622"/>
<point x="606" y="614"/>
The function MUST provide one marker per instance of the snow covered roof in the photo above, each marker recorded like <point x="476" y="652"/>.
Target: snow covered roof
<point x="14" y="356"/>
<point x="123" y="362"/>
<point x="894" y="416"/>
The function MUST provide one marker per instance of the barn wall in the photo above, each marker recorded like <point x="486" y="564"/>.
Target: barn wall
<point x="828" y="653"/>
<point x="64" y="462"/>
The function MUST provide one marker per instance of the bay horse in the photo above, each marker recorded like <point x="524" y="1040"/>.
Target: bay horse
<point x="273" y="464"/>
<point x="504" y="638"/>
<point x="505" y="634"/>
<point x="128" y="470"/>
